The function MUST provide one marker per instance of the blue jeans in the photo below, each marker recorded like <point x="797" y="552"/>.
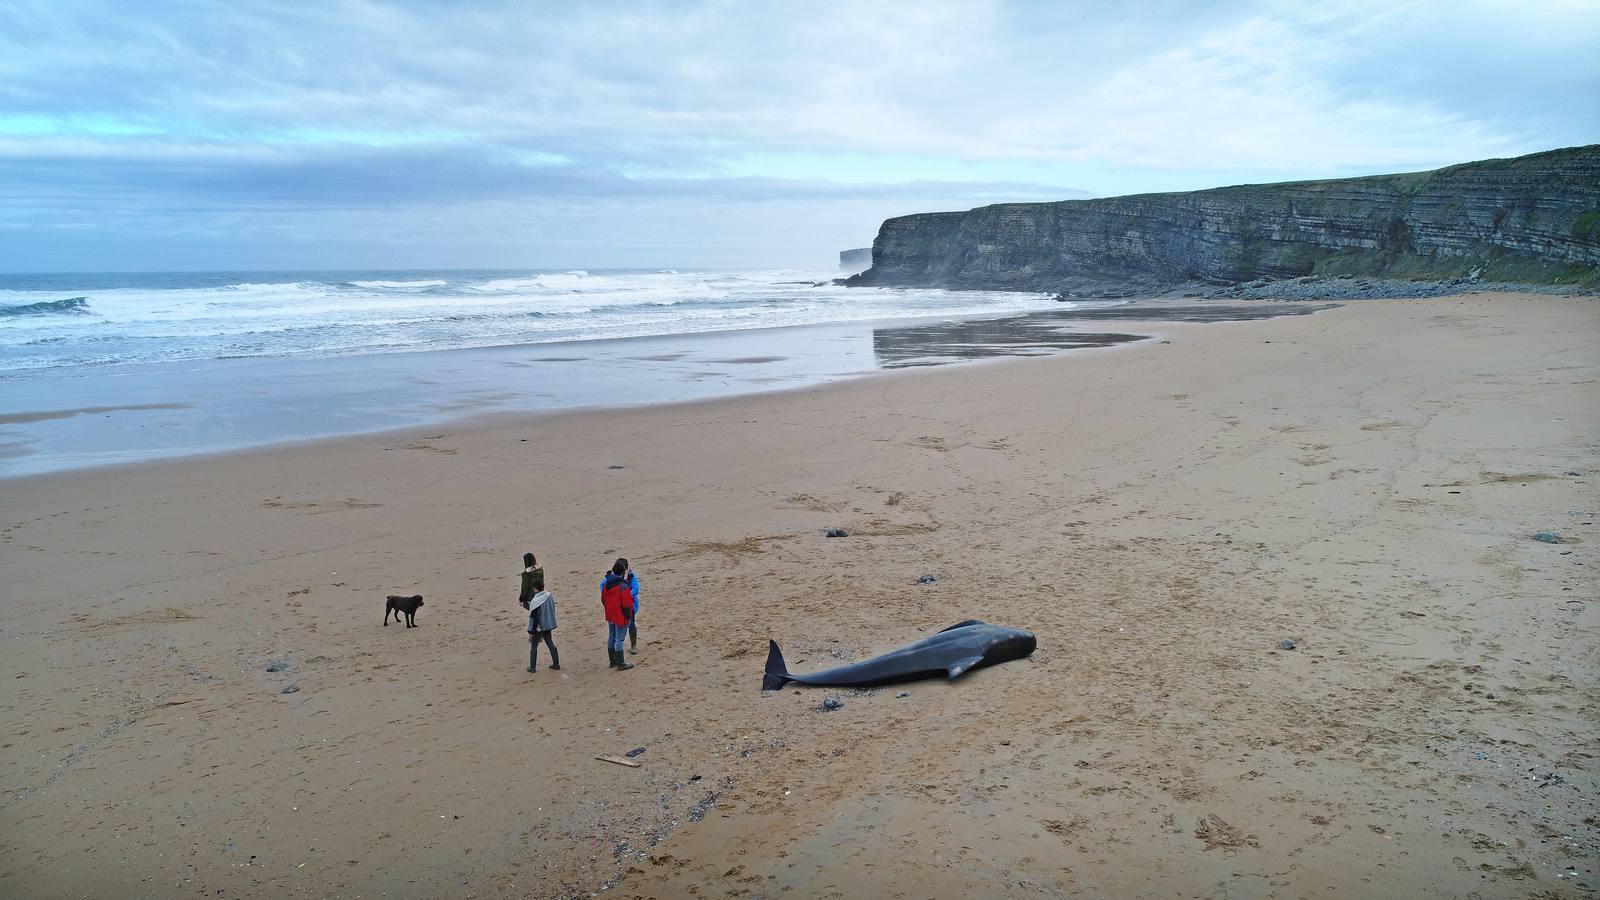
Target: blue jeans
<point x="618" y="633"/>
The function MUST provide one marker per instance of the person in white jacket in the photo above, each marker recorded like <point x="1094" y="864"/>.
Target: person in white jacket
<point x="541" y="624"/>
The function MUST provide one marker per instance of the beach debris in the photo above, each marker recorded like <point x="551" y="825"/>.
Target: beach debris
<point x="634" y="752"/>
<point x="616" y="467"/>
<point x="695" y="777"/>
<point x="902" y="695"/>
<point x="619" y="761"/>
<point x="1217" y="833"/>
<point x="1547" y="537"/>
<point x="927" y="579"/>
<point x="290" y="689"/>
<point x="1573" y="473"/>
<point x="1286" y="644"/>
<point x="277" y="665"/>
<point x="837" y="532"/>
<point x="831" y="703"/>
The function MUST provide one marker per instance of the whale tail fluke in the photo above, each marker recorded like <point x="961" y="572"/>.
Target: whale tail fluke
<point x="777" y="670"/>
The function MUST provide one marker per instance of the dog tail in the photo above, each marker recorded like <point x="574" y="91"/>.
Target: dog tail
<point x="777" y="674"/>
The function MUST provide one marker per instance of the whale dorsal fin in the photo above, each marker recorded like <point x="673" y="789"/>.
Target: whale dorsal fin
<point x="961" y="624"/>
<point x="955" y="669"/>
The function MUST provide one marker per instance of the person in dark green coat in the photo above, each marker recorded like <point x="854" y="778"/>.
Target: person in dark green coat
<point x="532" y="579"/>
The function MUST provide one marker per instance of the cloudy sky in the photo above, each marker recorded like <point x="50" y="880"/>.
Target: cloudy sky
<point x="281" y="135"/>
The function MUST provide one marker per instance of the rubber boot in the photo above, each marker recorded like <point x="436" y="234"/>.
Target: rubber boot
<point x="555" y="660"/>
<point x="533" y="656"/>
<point x="622" y="664"/>
<point x="612" y="656"/>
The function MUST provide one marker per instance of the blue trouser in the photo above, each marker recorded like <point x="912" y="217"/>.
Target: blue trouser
<point x="617" y="635"/>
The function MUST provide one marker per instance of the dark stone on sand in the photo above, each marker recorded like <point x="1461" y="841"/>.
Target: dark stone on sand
<point x="1573" y="473"/>
<point x="634" y="752"/>
<point x="832" y="703"/>
<point x="927" y="579"/>
<point x="837" y="532"/>
<point x="290" y="689"/>
<point x="277" y="665"/>
<point x="1547" y="537"/>
<point x="616" y="467"/>
<point x="1286" y="644"/>
<point x="902" y="694"/>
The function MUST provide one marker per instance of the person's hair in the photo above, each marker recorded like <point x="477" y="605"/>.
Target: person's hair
<point x="620" y="567"/>
<point x="528" y="560"/>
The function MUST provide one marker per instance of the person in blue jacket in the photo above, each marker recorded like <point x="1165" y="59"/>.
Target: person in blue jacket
<point x="633" y="622"/>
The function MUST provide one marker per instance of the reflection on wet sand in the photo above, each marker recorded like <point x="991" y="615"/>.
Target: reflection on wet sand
<point x="1046" y="332"/>
<point x="48" y="414"/>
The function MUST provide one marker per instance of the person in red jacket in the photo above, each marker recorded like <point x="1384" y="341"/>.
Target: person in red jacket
<point x="617" y="599"/>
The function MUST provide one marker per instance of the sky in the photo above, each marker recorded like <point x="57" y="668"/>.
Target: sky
<point x="345" y="134"/>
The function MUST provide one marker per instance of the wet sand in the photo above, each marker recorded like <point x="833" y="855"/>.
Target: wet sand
<point x="58" y="420"/>
<point x="1363" y="482"/>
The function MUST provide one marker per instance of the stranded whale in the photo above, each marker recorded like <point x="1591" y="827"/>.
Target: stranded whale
<point x="960" y="648"/>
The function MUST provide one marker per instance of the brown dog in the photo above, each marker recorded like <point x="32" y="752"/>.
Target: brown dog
<point x="398" y="605"/>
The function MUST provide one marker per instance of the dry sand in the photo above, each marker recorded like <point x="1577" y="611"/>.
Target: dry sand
<point x="1363" y="481"/>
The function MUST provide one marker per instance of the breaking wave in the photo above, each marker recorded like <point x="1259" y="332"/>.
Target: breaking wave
<point x="69" y="306"/>
<point x="164" y="317"/>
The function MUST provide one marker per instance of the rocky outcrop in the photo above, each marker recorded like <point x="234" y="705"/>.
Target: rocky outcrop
<point x="1529" y="219"/>
<point x="854" y="261"/>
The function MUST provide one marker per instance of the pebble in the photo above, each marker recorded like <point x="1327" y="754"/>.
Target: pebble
<point x="1351" y="288"/>
<point x="902" y="694"/>
<point x="290" y="689"/>
<point x="1548" y="537"/>
<point x="634" y="752"/>
<point x="1574" y="473"/>
<point x="277" y="665"/>
<point x="837" y="532"/>
<point x="1286" y="644"/>
<point x="832" y="703"/>
<point x="927" y="579"/>
<point x="616" y="467"/>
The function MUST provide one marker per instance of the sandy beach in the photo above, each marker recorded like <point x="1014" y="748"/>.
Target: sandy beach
<point x="1363" y="482"/>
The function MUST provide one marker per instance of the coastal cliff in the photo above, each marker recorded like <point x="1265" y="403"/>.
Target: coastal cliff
<point x="1529" y="219"/>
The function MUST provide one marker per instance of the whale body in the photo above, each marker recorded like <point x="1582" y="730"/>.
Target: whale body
<point x="950" y="652"/>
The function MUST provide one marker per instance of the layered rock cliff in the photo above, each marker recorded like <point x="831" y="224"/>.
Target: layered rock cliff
<point x="1533" y="218"/>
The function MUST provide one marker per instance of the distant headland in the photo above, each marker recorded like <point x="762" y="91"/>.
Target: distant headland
<point x="1532" y="219"/>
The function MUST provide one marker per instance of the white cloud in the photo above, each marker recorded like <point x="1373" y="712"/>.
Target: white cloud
<point x="210" y="104"/>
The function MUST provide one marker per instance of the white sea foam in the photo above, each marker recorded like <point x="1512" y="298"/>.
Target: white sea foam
<point x="306" y="315"/>
<point x="401" y="284"/>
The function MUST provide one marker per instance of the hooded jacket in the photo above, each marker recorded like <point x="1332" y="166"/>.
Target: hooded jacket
<point x="633" y="587"/>
<point x="617" y="599"/>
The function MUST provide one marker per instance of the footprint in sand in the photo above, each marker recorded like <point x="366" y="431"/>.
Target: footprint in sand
<point x="318" y="506"/>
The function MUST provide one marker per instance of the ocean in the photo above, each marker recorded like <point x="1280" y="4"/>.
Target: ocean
<point x="49" y="321"/>
<point x="118" y="368"/>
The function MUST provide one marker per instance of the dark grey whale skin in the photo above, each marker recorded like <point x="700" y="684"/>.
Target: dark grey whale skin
<point x="951" y="652"/>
